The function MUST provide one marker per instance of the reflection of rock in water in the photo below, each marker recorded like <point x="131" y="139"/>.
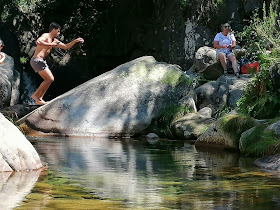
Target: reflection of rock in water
<point x="14" y="186"/>
<point x="112" y="168"/>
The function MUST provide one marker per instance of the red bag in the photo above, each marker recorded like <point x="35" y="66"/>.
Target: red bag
<point x="250" y="68"/>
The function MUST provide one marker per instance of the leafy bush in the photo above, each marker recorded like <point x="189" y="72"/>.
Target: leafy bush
<point x="261" y="99"/>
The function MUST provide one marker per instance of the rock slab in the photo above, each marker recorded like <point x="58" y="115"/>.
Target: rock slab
<point x="120" y="102"/>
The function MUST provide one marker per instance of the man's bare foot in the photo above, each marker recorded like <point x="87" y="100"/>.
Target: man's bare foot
<point x="41" y="102"/>
<point x="38" y="101"/>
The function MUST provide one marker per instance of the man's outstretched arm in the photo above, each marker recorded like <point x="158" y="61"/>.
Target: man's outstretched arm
<point x="70" y="44"/>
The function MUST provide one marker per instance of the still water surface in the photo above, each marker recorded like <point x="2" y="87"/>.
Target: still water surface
<point x="137" y="174"/>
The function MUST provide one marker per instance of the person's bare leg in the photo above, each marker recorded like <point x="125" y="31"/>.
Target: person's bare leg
<point x="40" y="92"/>
<point x="223" y="60"/>
<point x="232" y="58"/>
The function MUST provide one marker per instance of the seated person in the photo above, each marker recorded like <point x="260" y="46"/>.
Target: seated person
<point x="225" y="42"/>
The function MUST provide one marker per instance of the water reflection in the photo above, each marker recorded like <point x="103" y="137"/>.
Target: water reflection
<point x="163" y="174"/>
<point x="14" y="186"/>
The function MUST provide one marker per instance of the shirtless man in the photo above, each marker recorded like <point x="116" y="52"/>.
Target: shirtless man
<point x="44" y="45"/>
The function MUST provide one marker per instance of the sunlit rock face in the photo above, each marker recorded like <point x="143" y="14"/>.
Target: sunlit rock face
<point x="121" y="102"/>
<point x="9" y="83"/>
<point x="16" y="152"/>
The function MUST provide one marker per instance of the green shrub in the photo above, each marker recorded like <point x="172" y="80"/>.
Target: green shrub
<point x="260" y="98"/>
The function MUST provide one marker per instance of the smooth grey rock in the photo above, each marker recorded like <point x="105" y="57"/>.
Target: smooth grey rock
<point x="269" y="163"/>
<point x="9" y="83"/>
<point x="275" y="127"/>
<point x="121" y="102"/>
<point x="206" y="111"/>
<point x="204" y="57"/>
<point x="152" y="136"/>
<point x="16" y="152"/>
<point x="211" y="94"/>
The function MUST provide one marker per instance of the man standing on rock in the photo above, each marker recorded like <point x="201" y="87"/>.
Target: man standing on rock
<point x="44" y="45"/>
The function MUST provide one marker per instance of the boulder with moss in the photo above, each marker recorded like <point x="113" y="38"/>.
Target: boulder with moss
<point x="260" y="141"/>
<point x="120" y="102"/>
<point x="225" y="132"/>
<point x="192" y="125"/>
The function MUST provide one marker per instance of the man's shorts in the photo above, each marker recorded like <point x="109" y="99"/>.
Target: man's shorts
<point x="227" y="53"/>
<point x="38" y="64"/>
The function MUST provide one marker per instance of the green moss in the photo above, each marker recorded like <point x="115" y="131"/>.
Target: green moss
<point x="260" y="142"/>
<point x="174" y="78"/>
<point x="162" y="124"/>
<point x="235" y="125"/>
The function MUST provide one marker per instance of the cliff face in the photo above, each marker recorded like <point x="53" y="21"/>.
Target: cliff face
<point x="118" y="31"/>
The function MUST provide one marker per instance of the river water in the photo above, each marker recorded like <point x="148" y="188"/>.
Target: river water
<point x="141" y="174"/>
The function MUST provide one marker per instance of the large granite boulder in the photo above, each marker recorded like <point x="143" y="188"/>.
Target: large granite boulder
<point x="204" y="57"/>
<point x="121" y="102"/>
<point x="9" y="83"/>
<point x="236" y="87"/>
<point x="16" y="152"/>
<point x="212" y="94"/>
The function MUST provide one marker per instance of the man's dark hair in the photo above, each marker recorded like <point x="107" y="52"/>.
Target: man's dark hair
<point x="54" y="25"/>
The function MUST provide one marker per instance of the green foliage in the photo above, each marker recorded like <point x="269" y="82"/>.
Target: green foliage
<point x="260" y="33"/>
<point x="162" y="124"/>
<point x="260" y="142"/>
<point x="260" y="98"/>
<point x="235" y="125"/>
<point x="23" y="60"/>
<point x="174" y="78"/>
<point x="224" y="111"/>
<point x="27" y="5"/>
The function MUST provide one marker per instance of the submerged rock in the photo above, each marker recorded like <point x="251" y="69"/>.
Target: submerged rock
<point x="16" y="152"/>
<point x="121" y="102"/>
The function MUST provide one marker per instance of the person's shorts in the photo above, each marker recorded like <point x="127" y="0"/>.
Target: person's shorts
<point x="227" y="53"/>
<point x="38" y="64"/>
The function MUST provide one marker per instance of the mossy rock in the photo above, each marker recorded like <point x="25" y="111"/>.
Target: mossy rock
<point x="226" y="132"/>
<point x="163" y="124"/>
<point x="259" y="141"/>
